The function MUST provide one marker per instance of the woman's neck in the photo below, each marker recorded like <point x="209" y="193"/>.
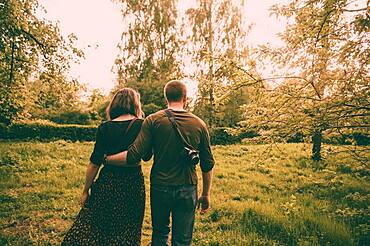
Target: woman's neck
<point x="124" y="117"/>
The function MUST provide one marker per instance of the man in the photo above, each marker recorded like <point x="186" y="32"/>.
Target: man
<point x="173" y="183"/>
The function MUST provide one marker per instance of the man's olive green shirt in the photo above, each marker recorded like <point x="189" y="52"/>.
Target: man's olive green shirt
<point x="158" y="135"/>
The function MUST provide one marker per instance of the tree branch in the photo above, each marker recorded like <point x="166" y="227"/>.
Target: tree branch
<point x="43" y="47"/>
<point x="322" y="26"/>
<point x="269" y="78"/>
<point x="355" y="10"/>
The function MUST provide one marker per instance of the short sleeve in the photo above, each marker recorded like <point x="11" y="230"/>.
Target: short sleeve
<point x="97" y="156"/>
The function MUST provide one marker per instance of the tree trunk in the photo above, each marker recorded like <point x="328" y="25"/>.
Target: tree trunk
<point x="316" y="147"/>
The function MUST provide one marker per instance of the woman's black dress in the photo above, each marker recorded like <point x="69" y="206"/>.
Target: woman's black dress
<point x="114" y="211"/>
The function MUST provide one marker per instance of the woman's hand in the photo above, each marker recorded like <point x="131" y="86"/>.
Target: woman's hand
<point x="91" y="172"/>
<point x="83" y="199"/>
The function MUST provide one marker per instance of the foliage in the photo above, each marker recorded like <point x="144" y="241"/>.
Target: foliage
<point x="52" y="95"/>
<point x="348" y="138"/>
<point x="47" y="131"/>
<point x="282" y="202"/>
<point x="220" y="136"/>
<point x="30" y="48"/>
<point x="226" y="136"/>
<point x="217" y="34"/>
<point x="150" y="108"/>
<point x="63" y="104"/>
<point x="72" y="117"/>
<point x="148" y="48"/>
<point x="97" y="105"/>
<point x="326" y="89"/>
<point x="228" y="111"/>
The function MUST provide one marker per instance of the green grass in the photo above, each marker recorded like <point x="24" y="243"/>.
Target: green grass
<point x="259" y="197"/>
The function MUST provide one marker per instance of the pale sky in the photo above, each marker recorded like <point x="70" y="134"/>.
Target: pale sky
<point x="98" y="26"/>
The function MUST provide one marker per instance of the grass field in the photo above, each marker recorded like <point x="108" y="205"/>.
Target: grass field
<point x="259" y="197"/>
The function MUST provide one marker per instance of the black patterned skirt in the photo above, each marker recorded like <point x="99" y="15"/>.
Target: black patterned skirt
<point x="114" y="211"/>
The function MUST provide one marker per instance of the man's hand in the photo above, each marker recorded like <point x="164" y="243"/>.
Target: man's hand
<point x="204" y="204"/>
<point x="83" y="199"/>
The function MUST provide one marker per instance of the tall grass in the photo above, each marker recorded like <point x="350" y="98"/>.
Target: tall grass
<point x="260" y="195"/>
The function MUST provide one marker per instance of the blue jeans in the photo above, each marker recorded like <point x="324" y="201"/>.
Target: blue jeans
<point x="181" y="202"/>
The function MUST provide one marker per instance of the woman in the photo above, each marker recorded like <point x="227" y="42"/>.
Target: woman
<point x="113" y="212"/>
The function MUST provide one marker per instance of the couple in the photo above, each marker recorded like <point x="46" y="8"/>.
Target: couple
<point x="112" y="213"/>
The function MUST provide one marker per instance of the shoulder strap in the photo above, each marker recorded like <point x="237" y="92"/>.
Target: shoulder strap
<point x="171" y="117"/>
<point x="129" y="126"/>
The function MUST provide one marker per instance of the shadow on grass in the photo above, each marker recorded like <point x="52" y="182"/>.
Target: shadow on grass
<point x="14" y="240"/>
<point x="336" y="191"/>
<point x="296" y="230"/>
<point x="267" y="227"/>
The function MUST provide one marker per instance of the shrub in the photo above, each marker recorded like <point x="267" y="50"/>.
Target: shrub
<point x="221" y="136"/>
<point x="47" y="131"/>
<point x="225" y="136"/>
<point x="361" y="139"/>
<point x="72" y="117"/>
<point x="44" y="130"/>
<point x="297" y="137"/>
<point x="354" y="138"/>
<point x="248" y="134"/>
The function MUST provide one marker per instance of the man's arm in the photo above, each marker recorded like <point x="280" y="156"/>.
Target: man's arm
<point x="204" y="200"/>
<point x="138" y="150"/>
<point x="119" y="159"/>
<point x="207" y="183"/>
<point x="206" y="164"/>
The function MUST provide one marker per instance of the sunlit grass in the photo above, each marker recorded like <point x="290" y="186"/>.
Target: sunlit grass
<point x="260" y="195"/>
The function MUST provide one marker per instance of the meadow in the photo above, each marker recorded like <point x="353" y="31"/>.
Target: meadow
<point x="260" y="195"/>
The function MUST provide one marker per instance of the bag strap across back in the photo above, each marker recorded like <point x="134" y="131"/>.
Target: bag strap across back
<point x="129" y="126"/>
<point x="171" y="117"/>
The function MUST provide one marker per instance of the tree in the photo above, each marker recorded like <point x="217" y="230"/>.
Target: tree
<point x="217" y="34"/>
<point x="97" y="105"/>
<point x="50" y="95"/>
<point x="327" y="90"/>
<point x="28" y="45"/>
<point x="148" y="48"/>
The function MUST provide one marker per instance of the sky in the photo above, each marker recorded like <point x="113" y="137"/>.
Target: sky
<point x="98" y="25"/>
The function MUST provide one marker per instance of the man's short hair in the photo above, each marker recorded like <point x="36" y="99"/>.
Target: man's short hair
<point x="175" y="91"/>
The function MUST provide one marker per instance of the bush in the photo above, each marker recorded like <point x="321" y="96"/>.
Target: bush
<point x="47" y="131"/>
<point x="225" y="136"/>
<point x="355" y="138"/>
<point x="44" y="130"/>
<point x="361" y="139"/>
<point x="221" y="136"/>
<point x="248" y="134"/>
<point x="297" y="137"/>
<point x="72" y="117"/>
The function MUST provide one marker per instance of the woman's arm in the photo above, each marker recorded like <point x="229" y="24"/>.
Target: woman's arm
<point x="91" y="172"/>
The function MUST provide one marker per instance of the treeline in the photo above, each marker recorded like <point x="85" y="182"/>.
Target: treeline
<point x="322" y="89"/>
<point x="48" y="131"/>
<point x="159" y="42"/>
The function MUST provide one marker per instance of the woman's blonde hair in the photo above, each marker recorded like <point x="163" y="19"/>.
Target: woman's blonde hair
<point x="125" y="101"/>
